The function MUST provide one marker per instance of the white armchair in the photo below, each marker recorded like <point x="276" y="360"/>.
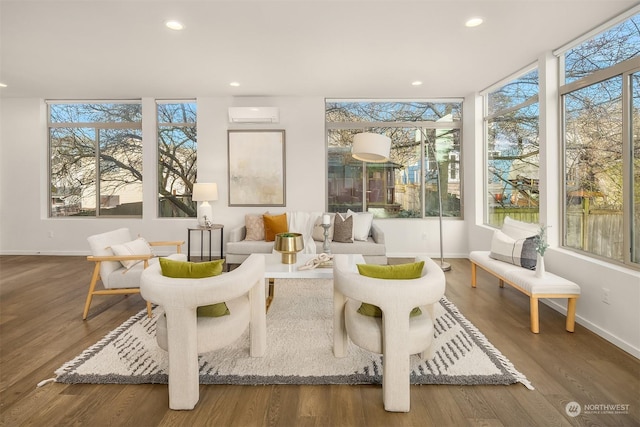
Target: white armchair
<point x="184" y="335"/>
<point x="109" y="263"/>
<point x="396" y="335"/>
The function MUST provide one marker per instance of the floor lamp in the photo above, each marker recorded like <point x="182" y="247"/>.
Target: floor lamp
<point x="445" y="266"/>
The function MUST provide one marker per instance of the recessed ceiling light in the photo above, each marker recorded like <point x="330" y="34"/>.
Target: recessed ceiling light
<point x="174" y="25"/>
<point x="474" y="22"/>
<point x="416" y="83"/>
<point x="3" y="85"/>
<point x="234" y="84"/>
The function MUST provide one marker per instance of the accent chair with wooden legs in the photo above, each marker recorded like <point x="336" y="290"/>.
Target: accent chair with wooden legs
<point x="119" y="262"/>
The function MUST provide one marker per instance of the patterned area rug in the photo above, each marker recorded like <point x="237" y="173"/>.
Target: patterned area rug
<point x="299" y="350"/>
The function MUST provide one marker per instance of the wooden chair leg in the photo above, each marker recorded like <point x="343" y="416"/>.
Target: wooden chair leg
<point x="571" y="314"/>
<point x="473" y="274"/>
<point x="92" y="288"/>
<point x="149" y="311"/>
<point x="535" y="319"/>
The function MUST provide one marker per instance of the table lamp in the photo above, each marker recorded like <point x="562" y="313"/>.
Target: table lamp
<point x="205" y="192"/>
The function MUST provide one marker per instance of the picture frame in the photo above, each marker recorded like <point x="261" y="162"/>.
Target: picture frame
<point x="257" y="167"/>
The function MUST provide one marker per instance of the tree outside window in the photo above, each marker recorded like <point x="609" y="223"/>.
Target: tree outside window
<point x="601" y="113"/>
<point x="95" y="166"/>
<point x="512" y="151"/>
<point x="177" y="157"/>
<point x="405" y="185"/>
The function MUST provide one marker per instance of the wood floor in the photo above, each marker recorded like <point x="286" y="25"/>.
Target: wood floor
<point x="41" y="301"/>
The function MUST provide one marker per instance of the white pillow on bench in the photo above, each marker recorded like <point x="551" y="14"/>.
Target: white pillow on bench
<point x="515" y="243"/>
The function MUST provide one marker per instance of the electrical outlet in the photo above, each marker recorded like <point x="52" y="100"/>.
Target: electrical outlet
<point x="606" y="295"/>
<point x="51" y="234"/>
<point x="424" y="236"/>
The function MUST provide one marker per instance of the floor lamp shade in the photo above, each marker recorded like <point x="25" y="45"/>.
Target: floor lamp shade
<point x="371" y="147"/>
<point x="204" y="192"/>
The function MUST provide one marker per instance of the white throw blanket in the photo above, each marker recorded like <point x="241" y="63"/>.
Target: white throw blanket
<point x="302" y="222"/>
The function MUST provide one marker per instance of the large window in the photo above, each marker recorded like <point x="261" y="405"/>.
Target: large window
<point x="95" y="166"/>
<point x="425" y="149"/>
<point x="177" y="153"/>
<point x="601" y="99"/>
<point x="511" y="121"/>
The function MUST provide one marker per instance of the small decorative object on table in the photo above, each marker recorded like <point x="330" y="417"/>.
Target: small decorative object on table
<point x="541" y="247"/>
<point x="321" y="261"/>
<point x="326" y="224"/>
<point x="289" y="244"/>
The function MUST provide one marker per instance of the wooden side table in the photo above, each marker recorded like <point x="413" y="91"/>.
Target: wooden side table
<point x="202" y="230"/>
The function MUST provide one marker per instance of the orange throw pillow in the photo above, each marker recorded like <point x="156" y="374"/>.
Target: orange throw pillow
<point x="274" y="224"/>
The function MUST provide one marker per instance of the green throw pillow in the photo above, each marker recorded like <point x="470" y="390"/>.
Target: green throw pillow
<point x="196" y="270"/>
<point x="397" y="272"/>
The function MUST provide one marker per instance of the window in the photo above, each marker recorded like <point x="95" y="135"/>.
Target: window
<point x="95" y="166"/>
<point x="601" y="144"/>
<point x="425" y="139"/>
<point x="177" y="154"/>
<point x="511" y="121"/>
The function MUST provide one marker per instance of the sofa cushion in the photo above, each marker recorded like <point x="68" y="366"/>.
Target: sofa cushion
<point x="274" y="224"/>
<point x="361" y="224"/>
<point x="318" y="229"/>
<point x="196" y="270"/>
<point x="394" y="272"/>
<point x="138" y="246"/>
<point x="343" y="229"/>
<point x="254" y="224"/>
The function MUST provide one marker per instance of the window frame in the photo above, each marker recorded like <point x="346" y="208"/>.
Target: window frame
<point x="97" y="126"/>
<point x="159" y="125"/>
<point x="422" y="125"/>
<point x="624" y="69"/>
<point x="488" y="116"/>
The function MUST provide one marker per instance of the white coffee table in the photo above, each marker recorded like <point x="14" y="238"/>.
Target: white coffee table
<point x="275" y="269"/>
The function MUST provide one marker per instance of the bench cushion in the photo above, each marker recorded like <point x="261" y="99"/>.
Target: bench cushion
<point x="549" y="284"/>
<point x="525" y="279"/>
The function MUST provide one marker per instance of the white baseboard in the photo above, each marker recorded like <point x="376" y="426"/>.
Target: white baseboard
<point x="634" y="351"/>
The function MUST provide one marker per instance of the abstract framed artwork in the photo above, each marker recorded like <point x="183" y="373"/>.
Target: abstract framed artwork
<point x="256" y="167"/>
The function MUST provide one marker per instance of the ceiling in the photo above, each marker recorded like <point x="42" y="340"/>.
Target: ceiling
<point x="108" y="49"/>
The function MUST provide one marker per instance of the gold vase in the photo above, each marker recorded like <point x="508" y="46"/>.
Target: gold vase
<point x="289" y="244"/>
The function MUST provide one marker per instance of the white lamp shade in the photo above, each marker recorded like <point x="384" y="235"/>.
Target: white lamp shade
<point x="204" y="192"/>
<point x="371" y="147"/>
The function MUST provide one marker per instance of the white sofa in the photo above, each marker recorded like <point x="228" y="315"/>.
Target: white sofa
<point x="373" y="249"/>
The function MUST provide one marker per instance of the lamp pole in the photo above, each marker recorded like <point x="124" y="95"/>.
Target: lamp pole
<point x="445" y="266"/>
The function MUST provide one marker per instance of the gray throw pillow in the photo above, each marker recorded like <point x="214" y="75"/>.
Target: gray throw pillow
<point x="343" y="229"/>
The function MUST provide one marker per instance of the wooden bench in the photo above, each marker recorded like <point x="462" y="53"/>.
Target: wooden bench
<point x="549" y="286"/>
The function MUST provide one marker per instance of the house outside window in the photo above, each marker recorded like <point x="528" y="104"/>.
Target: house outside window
<point x="95" y="159"/>
<point x="425" y="139"/>
<point x="511" y="122"/>
<point x="600" y="98"/>
<point x="177" y="157"/>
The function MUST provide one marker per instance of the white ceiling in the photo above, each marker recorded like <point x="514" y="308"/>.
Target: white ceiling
<point x="106" y="49"/>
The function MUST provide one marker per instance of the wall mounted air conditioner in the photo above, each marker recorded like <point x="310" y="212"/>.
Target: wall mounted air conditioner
<point x="254" y="115"/>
